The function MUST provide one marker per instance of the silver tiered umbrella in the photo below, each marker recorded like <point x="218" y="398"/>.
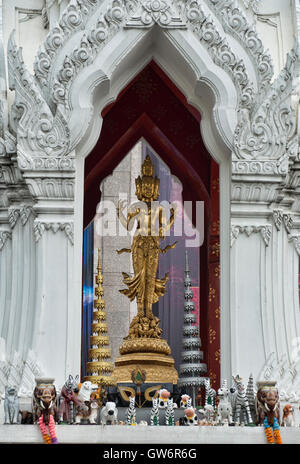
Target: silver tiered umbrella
<point x="192" y="369"/>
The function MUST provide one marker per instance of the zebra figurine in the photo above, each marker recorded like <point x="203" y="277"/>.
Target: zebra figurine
<point x="131" y="412"/>
<point x="250" y="392"/>
<point x="232" y="396"/>
<point x="189" y="403"/>
<point x="170" y="416"/>
<point x="241" y="410"/>
<point x="210" y="394"/>
<point x="154" y="418"/>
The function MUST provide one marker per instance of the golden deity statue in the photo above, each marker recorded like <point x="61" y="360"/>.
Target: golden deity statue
<point x="144" y="338"/>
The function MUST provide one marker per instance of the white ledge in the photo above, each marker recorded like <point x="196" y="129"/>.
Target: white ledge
<point x="97" y="434"/>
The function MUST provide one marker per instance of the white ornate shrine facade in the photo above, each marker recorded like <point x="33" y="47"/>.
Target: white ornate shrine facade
<point x="62" y="63"/>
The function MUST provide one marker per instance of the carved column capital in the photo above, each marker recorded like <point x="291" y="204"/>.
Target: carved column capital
<point x="4" y="236"/>
<point x="277" y="218"/>
<point x="41" y="226"/>
<point x="19" y="212"/>
<point x="264" y="230"/>
<point x="295" y="239"/>
<point x="288" y="222"/>
<point x="13" y="216"/>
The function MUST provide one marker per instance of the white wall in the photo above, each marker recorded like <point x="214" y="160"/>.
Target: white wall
<point x="275" y="25"/>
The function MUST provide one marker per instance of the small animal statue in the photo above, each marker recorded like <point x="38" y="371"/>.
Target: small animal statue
<point x="180" y="422"/>
<point x="268" y="410"/>
<point x="11" y="405"/>
<point x="170" y="415"/>
<point x="288" y="416"/>
<point x="201" y="416"/>
<point x="267" y="403"/>
<point x="85" y="390"/>
<point x="210" y="393"/>
<point x="68" y="397"/>
<point x="109" y="414"/>
<point x="190" y="417"/>
<point x="184" y="400"/>
<point x="164" y="395"/>
<point x="94" y="406"/>
<point x="131" y="412"/>
<point x="44" y="402"/>
<point x="242" y="412"/>
<point x="154" y="418"/>
<point x="26" y="417"/>
<point x="232" y="396"/>
<point x="209" y="412"/>
<point x="83" y="407"/>
<point x="143" y="423"/>
<point x="224" y="406"/>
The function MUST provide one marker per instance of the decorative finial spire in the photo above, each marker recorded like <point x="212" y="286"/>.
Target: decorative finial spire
<point x="99" y="368"/>
<point x="192" y="368"/>
<point x="188" y="293"/>
<point x="186" y="262"/>
<point x="147" y="167"/>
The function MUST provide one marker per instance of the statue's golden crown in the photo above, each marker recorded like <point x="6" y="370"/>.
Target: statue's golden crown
<point x="147" y="167"/>
<point x="147" y="177"/>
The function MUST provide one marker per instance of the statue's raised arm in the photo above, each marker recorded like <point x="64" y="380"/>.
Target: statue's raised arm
<point x="126" y="222"/>
<point x="164" y="226"/>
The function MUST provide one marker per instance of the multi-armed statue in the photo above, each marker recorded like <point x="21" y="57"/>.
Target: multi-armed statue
<point x="144" y="345"/>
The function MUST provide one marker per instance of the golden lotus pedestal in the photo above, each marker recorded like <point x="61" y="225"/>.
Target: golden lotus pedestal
<point x="151" y="356"/>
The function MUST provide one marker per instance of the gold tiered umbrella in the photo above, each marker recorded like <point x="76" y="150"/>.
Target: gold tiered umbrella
<point x="99" y="368"/>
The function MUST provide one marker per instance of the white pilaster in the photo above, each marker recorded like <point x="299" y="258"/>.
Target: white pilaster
<point x="5" y="278"/>
<point x="52" y="336"/>
<point x="249" y="257"/>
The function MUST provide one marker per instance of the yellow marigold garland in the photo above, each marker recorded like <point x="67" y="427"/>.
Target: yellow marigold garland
<point x="269" y="434"/>
<point x="277" y="437"/>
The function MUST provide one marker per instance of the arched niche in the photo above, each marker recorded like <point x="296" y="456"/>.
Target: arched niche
<point x="152" y="108"/>
<point x="203" y="84"/>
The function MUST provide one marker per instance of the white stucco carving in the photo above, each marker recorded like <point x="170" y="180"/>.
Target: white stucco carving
<point x="56" y="79"/>
<point x="261" y="134"/>
<point x="92" y="50"/>
<point x="42" y="137"/>
<point x="264" y="230"/>
<point x="4" y="235"/>
<point x="40" y="227"/>
<point x="269" y="132"/>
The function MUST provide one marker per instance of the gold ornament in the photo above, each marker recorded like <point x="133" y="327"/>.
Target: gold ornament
<point x="158" y="367"/>
<point x="212" y="335"/>
<point x="218" y="355"/>
<point x="217" y="271"/>
<point x="212" y="294"/>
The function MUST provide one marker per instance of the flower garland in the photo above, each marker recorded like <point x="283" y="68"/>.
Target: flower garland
<point x="51" y="436"/>
<point x="269" y="434"/>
